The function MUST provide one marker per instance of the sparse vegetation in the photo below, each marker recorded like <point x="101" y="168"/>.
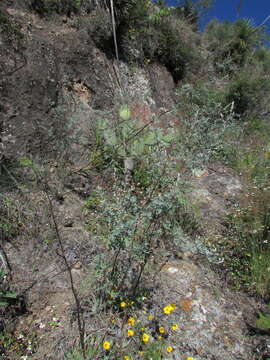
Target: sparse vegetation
<point x="106" y="193"/>
<point x="61" y="7"/>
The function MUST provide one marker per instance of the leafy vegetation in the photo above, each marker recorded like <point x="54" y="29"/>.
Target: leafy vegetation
<point x="138" y="212"/>
<point x="48" y="7"/>
<point x="234" y="43"/>
<point x="10" y="30"/>
<point x="264" y="320"/>
<point x="248" y="94"/>
<point x="6" y="296"/>
<point x="132" y="221"/>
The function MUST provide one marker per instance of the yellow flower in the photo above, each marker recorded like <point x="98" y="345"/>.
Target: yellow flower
<point x="190" y="358"/>
<point x="150" y="317"/>
<point x="167" y="309"/>
<point x="106" y="345"/>
<point x="126" y="357"/>
<point x="161" y="330"/>
<point x="130" y="332"/>
<point x="174" y="327"/>
<point x="169" y="349"/>
<point x="131" y="321"/>
<point x="123" y="304"/>
<point x="145" y="338"/>
<point x="173" y="306"/>
<point x="159" y="337"/>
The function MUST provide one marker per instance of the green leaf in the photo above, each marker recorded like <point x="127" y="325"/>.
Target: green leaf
<point x="168" y="138"/>
<point x="103" y="124"/>
<point x="137" y="147"/>
<point x="110" y="137"/>
<point x="25" y="162"/>
<point x="263" y="322"/>
<point x="150" y="138"/>
<point x="126" y="130"/>
<point x="10" y="295"/>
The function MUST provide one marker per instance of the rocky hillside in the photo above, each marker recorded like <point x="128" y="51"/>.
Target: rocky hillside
<point x="134" y="174"/>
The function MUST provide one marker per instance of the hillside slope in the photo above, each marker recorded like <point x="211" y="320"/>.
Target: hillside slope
<point x="134" y="213"/>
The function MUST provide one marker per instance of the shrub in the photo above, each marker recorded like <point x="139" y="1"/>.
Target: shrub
<point x="235" y="41"/>
<point x="204" y="124"/>
<point x="61" y="7"/>
<point x="192" y="11"/>
<point x="248" y="94"/>
<point x="262" y="59"/>
<point x="134" y="219"/>
<point x="154" y="34"/>
<point x="249" y="234"/>
<point x="9" y="30"/>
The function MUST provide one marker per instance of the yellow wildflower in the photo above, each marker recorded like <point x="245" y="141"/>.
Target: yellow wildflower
<point x="173" y="306"/>
<point x="169" y="349"/>
<point x="150" y="317"/>
<point x="106" y="345"/>
<point x="131" y="321"/>
<point x="123" y="304"/>
<point x="174" y="327"/>
<point x="190" y="358"/>
<point x="126" y="357"/>
<point x="130" y="332"/>
<point x="167" y="309"/>
<point x="145" y="338"/>
<point x="161" y="330"/>
<point x="159" y="337"/>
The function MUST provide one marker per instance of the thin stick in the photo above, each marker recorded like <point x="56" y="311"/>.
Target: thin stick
<point x="114" y="32"/>
<point x="74" y="292"/>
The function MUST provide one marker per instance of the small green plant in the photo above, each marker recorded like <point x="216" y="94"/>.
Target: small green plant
<point x="17" y="344"/>
<point x="264" y="320"/>
<point x="137" y="335"/>
<point x="249" y="256"/>
<point x="6" y="296"/>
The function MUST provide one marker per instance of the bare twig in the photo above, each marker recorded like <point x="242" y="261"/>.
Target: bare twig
<point x="68" y="267"/>
<point x="47" y="191"/>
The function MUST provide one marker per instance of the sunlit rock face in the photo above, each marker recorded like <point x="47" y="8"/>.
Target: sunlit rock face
<point x="211" y="318"/>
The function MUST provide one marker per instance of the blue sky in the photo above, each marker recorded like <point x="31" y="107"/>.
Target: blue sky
<point x="256" y="10"/>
